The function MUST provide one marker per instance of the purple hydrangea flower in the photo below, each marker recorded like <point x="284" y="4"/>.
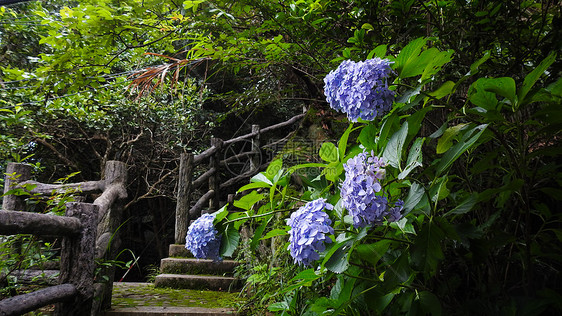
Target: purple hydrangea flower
<point x="394" y="214"/>
<point x="310" y="227"/>
<point x="358" y="192"/>
<point x="202" y="240"/>
<point x="360" y="89"/>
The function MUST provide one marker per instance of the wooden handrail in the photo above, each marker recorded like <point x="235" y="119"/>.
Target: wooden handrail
<point x="77" y="259"/>
<point x="13" y="222"/>
<point x="25" y="303"/>
<point x="265" y="130"/>
<point x="203" y="178"/>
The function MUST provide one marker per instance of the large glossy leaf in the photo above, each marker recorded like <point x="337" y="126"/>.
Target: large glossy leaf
<point x="504" y="86"/>
<point x="534" y="75"/>
<point x="414" y="197"/>
<point x="247" y="201"/>
<point x="328" y="152"/>
<point x="414" y="158"/>
<point x="229" y="241"/>
<point x="393" y="150"/>
<point x="407" y="64"/>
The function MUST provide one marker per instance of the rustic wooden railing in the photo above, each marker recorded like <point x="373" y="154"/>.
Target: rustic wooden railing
<point x="75" y="293"/>
<point x="184" y="211"/>
<point x="107" y="211"/>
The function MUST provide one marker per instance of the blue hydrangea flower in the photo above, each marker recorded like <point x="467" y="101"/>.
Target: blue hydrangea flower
<point x="360" y="89"/>
<point x="310" y="227"/>
<point x="358" y="192"/>
<point x="395" y="213"/>
<point x="202" y="239"/>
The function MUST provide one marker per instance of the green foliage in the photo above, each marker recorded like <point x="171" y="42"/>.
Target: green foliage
<point x="461" y="185"/>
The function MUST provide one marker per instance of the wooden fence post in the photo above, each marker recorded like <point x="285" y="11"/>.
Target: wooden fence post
<point x="214" y="180"/>
<point x="23" y="173"/>
<point x="77" y="260"/>
<point x="255" y="160"/>
<point x="110" y="218"/>
<point x="183" y="197"/>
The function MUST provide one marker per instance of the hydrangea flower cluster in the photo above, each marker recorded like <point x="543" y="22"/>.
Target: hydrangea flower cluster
<point x="360" y="89"/>
<point x="363" y="174"/>
<point x="310" y="227"/>
<point x="202" y="238"/>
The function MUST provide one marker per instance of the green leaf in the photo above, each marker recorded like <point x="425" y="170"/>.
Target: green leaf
<point x="438" y="190"/>
<point x="247" y="201"/>
<point x="329" y="152"/>
<point x="468" y="139"/>
<point x="342" y="144"/>
<point x="414" y="197"/>
<point x="444" y="90"/>
<point x="474" y="67"/>
<point x="480" y="97"/>
<point x="426" y="252"/>
<point x="379" y="51"/>
<point x="535" y="75"/>
<point x="258" y="232"/>
<point x="465" y="206"/>
<point x="393" y="150"/>
<point x="254" y="185"/>
<point x="220" y="215"/>
<point x="504" y="86"/>
<point x="414" y="158"/>
<point x="436" y="60"/>
<point x="407" y="64"/>
<point x="398" y="272"/>
<point x="429" y="303"/>
<point x="372" y="253"/>
<point x="446" y="141"/>
<point x="368" y="137"/>
<point x="260" y="177"/>
<point x="229" y="241"/>
<point x="276" y="232"/>
<point x="273" y="169"/>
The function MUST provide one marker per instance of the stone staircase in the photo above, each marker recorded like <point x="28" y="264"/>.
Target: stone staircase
<point x="185" y="287"/>
<point x="179" y="271"/>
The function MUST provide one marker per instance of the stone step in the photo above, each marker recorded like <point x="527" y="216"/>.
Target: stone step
<point x="135" y="298"/>
<point x="197" y="266"/>
<point x="179" y="250"/>
<point x="199" y="282"/>
<point x="170" y="311"/>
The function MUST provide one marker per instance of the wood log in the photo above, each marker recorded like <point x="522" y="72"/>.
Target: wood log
<point x="214" y="180"/>
<point x="195" y="211"/>
<point x="109" y="220"/>
<point x="50" y="189"/>
<point x="237" y="157"/>
<point x="203" y="178"/>
<point x="48" y="277"/>
<point x="255" y="159"/>
<point x="204" y="155"/>
<point x="21" y="304"/>
<point x="183" y="197"/>
<point x="22" y="173"/>
<point x="77" y="260"/>
<point x="12" y="223"/>
<point x="265" y="130"/>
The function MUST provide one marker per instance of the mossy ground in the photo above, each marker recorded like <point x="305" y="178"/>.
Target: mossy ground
<point x="145" y="294"/>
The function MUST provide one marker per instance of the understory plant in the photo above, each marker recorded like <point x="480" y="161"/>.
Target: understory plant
<point x="441" y="197"/>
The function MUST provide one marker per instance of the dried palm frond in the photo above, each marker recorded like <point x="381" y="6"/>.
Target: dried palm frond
<point x="148" y="79"/>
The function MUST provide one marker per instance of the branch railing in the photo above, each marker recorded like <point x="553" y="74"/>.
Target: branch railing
<point x="83" y="243"/>
<point x="74" y="295"/>
<point x="188" y="162"/>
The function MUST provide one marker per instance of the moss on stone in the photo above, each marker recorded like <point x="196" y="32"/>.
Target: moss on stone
<point x="148" y="295"/>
